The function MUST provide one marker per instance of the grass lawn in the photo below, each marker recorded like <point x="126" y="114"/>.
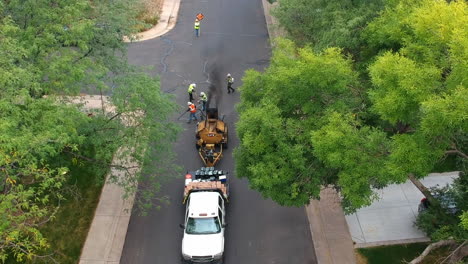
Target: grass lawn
<point x="67" y="232"/>
<point x="400" y="254"/>
<point x="392" y="254"/>
<point x="149" y="14"/>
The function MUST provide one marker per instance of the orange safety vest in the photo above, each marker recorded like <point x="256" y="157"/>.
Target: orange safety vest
<point x="193" y="109"/>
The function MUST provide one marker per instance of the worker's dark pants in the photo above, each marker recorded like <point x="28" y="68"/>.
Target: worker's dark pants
<point x="229" y="87"/>
<point x="203" y="106"/>
<point x="190" y="97"/>
<point x="192" y="116"/>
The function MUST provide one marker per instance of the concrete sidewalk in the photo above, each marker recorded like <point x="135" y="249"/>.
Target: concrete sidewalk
<point x="330" y="233"/>
<point x="390" y="220"/>
<point x="106" y="236"/>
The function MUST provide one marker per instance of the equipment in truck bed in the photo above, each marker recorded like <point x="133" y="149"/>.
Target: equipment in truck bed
<point x="206" y="179"/>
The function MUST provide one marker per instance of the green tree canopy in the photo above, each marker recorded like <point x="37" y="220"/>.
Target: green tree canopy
<point x="357" y="153"/>
<point x="279" y="109"/>
<point x="325" y="23"/>
<point x="50" y="50"/>
<point x="421" y="90"/>
<point x="401" y="119"/>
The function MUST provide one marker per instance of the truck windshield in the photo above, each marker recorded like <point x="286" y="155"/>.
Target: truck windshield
<point x="199" y="226"/>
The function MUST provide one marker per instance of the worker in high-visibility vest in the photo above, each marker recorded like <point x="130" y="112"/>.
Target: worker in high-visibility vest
<point x="230" y="81"/>
<point x="191" y="90"/>
<point x="203" y="100"/>
<point x="197" y="27"/>
<point x="193" y="110"/>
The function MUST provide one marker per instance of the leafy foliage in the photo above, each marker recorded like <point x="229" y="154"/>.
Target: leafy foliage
<point x="464" y="220"/>
<point x="278" y="110"/>
<point x="50" y="50"/>
<point x="440" y="223"/>
<point x="358" y="152"/>
<point x="31" y="135"/>
<point x="327" y="23"/>
<point x="403" y="116"/>
<point x="399" y="85"/>
<point x="414" y="89"/>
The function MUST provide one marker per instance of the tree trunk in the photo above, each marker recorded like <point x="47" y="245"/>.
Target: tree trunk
<point x="423" y="189"/>
<point x="430" y="248"/>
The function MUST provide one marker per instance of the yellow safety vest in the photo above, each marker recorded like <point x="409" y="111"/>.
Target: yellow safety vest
<point x="190" y="88"/>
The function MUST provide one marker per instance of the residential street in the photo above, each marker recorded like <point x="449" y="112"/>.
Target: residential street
<point x="233" y="38"/>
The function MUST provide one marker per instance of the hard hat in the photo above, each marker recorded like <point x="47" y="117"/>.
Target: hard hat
<point x="189" y="103"/>
<point x="228" y="75"/>
<point x="202" y="94"/>
<point x="194" y="84"/>
<point x="196" y="20"/>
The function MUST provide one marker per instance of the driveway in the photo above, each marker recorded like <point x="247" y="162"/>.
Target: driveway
<point x="391" y="219"/>
<point x="233" y="38"/>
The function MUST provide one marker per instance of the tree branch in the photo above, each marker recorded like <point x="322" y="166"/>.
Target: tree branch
<point x="84" y="55"/>
<point x="116" y="115"/>
<point x="26" y="252"/>
<point x="47" y="219"/>
<point x="421" y="188"/>
<point x="458" y="152"/>
<point x="102" y="101"/>
<point x="100" y="162"/>
<point x="453" y="255"/>
<point x="429" y="248"/>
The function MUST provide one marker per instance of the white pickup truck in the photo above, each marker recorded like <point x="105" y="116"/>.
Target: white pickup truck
<point x="205" y="194"/>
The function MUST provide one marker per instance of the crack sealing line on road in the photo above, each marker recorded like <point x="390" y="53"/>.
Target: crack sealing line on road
<point x="184" y="42"/>
<point x="169" y="52"/>
<point x="172" y="89"/>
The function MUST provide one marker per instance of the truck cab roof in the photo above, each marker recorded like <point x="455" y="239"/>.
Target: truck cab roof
<point x="203" y="204"/>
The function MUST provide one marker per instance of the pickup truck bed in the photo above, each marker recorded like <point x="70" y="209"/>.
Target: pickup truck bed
<point x="206" y="179"/>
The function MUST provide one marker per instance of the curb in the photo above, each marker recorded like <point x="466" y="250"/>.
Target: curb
<point x="392" y="242"/>
<point x="268" y="17"/>
<point x="274" y="30"/>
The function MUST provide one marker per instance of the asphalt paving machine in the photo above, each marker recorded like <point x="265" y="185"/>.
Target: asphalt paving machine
<point x="212" y="138"/>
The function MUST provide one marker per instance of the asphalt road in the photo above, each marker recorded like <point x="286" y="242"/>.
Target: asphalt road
<point x="233" y="38"/>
